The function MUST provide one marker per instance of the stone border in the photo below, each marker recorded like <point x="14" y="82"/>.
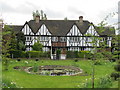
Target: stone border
<point x="52" y="67"/>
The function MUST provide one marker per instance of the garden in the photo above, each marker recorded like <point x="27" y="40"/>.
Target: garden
<point x="14" y="74"/>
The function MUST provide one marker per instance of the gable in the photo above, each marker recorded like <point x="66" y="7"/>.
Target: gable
<point x="43" y="30"/>
<point x="91" y="31"/>
<point x="74" y="31"/>
<point x="27" y="30"/>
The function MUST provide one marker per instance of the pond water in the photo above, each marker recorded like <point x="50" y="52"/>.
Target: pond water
<point x="54" y="70"/>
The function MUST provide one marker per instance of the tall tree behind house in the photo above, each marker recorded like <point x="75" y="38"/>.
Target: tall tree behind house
<point x="42" y="15"/>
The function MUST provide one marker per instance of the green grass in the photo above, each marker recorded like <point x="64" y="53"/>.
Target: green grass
<point x="26" y="80"/>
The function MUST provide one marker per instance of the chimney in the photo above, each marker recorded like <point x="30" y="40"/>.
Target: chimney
<point x="81" y="19"/>
<point x="37" y="19"/>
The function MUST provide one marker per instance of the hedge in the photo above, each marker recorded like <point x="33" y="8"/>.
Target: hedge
<point x="78" y="54"/>
<point x="27" y="54"/>
<point x="18" y="54"/>
<point x="37" y="54"/>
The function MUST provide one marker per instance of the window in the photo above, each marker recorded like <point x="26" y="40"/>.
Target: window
<point x="74" y="39"/>
<point x="46" y="38"/>
<point x="28" y="38"/>
<point x="62" y="39"/>
<point x="54" y="39"/>
<point x="42" y="38"/>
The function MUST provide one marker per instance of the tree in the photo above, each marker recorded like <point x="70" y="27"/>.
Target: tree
<point x="99" y="51"/>
<point x="20" y="41"/>
<point x="6" y="38"/>
<point x="65" y="18"/>
<point x="41" y="14"/>
<point x="37" y="46"/>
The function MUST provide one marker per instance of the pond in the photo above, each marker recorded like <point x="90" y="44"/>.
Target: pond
<point x="54" y="70"/>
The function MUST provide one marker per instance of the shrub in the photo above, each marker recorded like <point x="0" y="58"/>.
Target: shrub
<point x="97" y="62"/>
<point x="76" y="60"/>
<point x="18" y="54"/>
<point x="117" y="67"/>
<point x="5" y="63"/>
<point x="58" y="53"/>
<point x="105" y="82"/>
<point x="18" y="59"/>
<point x="36" y="59"/>
<point x="115" y="75"/>
<point x="84" y="54"/>
<point x="37" y="54"/>
<point x="70" y="54"/>
<point x="37" y="46"/>
<point x="9" y="84"/>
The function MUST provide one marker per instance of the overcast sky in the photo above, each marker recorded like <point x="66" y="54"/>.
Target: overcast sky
<point x="18" y="11"/>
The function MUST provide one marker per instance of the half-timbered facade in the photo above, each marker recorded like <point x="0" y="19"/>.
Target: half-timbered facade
<point x="66" y="35"/>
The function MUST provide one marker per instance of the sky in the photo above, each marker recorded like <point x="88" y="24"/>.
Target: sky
<point x="17" y="12"/>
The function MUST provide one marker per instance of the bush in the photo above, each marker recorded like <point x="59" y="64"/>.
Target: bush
<point x="76" y="60"/>
<point x="36" y="59"/>
<point x="117" y="67"/>
<point x="18" y="54"/>
<point x="80" y="54"/>
<point x="18" y="59"/>
<point x="83" y="54"/>
<point x="58" y="54"/>
<point x="70" y="54"/>
<point x="37" y="54"/>
<point x="97" y="62"/>
<point x="8" y="84"/>
<point x="105" y="82"/>
<point x="115" y="75"/>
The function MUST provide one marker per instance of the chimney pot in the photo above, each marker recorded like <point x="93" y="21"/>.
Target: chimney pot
<point x="81" y="19"/>
<point x="37" y="19"/>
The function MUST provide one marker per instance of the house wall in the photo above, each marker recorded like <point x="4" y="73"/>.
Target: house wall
<point x="74" y="40"/>
<point x="43" y="35"/>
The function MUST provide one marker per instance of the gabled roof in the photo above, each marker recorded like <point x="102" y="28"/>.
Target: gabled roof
<point x="59" y="27"/>
<point x="83" y="27"/>
<point x="16" y="28"/>
<point x="105" y="30"/>
<point x="62" y="27"/>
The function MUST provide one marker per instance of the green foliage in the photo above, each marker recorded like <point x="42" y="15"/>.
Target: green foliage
<point x="39" y="81"/>
<point x="35" y="67"/>
<point x="5" y="63"/>
<point x="18" y="54"/>
<point x="75" y="64"/>
<point x="41" y="13"/>
<point x="117" y="68"/>
<point x="99" y="55"/>
<point x="80" y="54"/>
<point x="58" y="52"/>
<point x="21" y="46"/>
<point x="70" y="54"/>
<point x="8" y="84"/>
<point x="115" y="75"/>
<point x="20" y="37"/>
<point x="84" y="54"/>
<point x="97" y="62"/>
<point x="37" y="54"/>
<point x="6" y="38"/>
<point x="37" y="46"/>
<point x="13" y="42"/>
<point x="20" y="41"/>
<point x="105" y="82"/>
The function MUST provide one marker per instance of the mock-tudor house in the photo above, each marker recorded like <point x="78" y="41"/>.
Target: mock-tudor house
<point x="66" y="35"/>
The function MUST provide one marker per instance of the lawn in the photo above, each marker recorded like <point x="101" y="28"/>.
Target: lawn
<point x="25" y="80"/>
